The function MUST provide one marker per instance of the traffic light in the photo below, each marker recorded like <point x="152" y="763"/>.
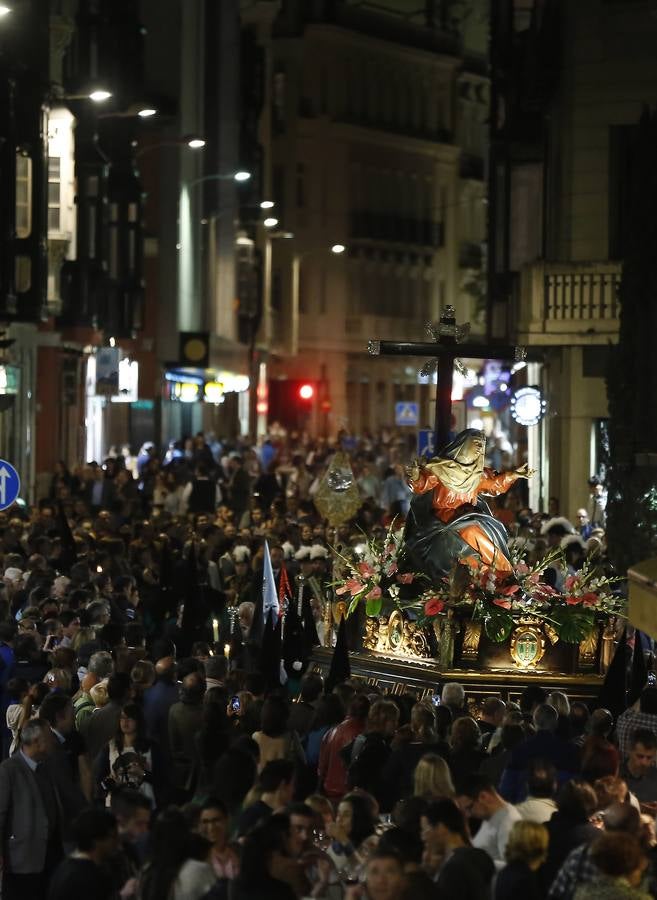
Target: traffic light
<point x="306" y="392"/>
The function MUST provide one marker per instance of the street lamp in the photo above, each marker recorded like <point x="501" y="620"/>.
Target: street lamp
<point x="267" y="204"/>
<point x="242" y="175"/>
<point x="147" y="112"/>
<point x="100" y="95"/>
<point x="188" y="140"/>
<point x="270" y="222"/>
<point x="336" y="250"/>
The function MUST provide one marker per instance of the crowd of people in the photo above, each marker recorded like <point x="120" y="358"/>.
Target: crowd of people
<point x="151" y="753"/>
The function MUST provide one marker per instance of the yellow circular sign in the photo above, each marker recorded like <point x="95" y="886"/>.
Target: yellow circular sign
<point x="195" y="349"/>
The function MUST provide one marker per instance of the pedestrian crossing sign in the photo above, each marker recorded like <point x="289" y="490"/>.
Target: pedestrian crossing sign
<point x="407" y="414"/>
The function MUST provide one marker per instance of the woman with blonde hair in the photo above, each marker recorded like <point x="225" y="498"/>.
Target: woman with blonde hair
<point x="432" y="778"/>
<point x="526" y="851"/>
<point x="559" y="701"/>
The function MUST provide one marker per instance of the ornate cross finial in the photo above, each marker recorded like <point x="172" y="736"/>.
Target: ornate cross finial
<point x="443" y="331"/>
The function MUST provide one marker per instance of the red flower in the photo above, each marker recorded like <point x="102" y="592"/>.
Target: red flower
<point x="392" y="568"/>
<point x="500" y="601"/>
<point x="406" y="578"/>
<point x="590" y="599"/>
<point x="511" y="589"/>
<point x="573" y="601"/>
<point x="351" y="586"/>
<point x="374" y="594"/>
<point x="365" y="569"/>
<point x="434" y="606"/>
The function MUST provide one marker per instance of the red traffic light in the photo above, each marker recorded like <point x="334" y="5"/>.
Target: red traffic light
<point x="306" y="392"/>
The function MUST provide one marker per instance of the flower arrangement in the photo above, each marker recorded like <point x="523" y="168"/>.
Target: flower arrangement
<point x="491" y="596"/>
<point x="373" y="569"/>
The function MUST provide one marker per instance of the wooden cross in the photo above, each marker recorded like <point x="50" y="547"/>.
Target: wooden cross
<point x="445" y="351"/>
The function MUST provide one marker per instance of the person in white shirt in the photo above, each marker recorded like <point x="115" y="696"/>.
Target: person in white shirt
<point x="478" y="799"/>
<point x="541" y="785"/>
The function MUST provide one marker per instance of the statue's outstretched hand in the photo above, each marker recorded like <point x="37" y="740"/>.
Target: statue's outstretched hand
<point x="525" y="472"/>
<point x="413" y="469"/>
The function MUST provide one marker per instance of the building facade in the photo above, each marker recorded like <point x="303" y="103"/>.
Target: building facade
<point x="374" y="140"/>
<point x="569" y="83"/>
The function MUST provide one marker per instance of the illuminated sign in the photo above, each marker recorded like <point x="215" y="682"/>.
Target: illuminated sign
<point x="214" y="392"/>
<point x="186" y="391"/>
<point x="528" y="406"/>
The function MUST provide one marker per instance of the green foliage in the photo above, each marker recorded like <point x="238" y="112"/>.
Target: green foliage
<point x="572" y="625"/>
<point x="373" y="607"/>
<point x="498" y="624"/>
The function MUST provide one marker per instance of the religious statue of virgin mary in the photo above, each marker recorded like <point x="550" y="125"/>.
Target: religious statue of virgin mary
<point x="449" y="522"/>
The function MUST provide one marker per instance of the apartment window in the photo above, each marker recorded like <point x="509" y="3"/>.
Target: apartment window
<point x="23" y="274"/>
<point x="279" y="100"/>
<point x="621" y="145"/>
<point x="54" y="193"/>
<point x="304" y="292"/>
<point x="23" y="195"/>
<point x="114" y="241"/>
<point x="301" y="185"/>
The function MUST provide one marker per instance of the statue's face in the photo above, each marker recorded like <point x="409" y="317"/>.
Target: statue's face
<point x="472" y="449"/>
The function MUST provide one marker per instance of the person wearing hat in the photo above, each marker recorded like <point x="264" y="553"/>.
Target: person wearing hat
<point x="308" y="595"/>
<point x="239" y="585"/>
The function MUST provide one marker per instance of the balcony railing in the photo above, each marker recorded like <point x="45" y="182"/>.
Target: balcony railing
<point x="568" y="303"/>
<point x="395" y="229"/>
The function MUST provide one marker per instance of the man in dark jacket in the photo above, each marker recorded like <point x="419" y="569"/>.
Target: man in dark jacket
<point x="464" y="871"/>
<point x="185" y="719"/>
<point x="30" y="818"/>
<point x="546" y="745"/>
<point x="201" y="494"/>
<point x="83" y="874"/>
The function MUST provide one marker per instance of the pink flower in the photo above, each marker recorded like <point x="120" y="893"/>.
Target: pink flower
<point x="374" y="594"/>
<point x="392" y="568"/>
<point x="510" y="589"/>
<point x="365" y="569"/>
<point x="590" y="599"/>
<point x="406" y="578"/>
<point x="500" y="601"/>
<point x="351" y="586"/>
<point x="571" y="582"/>
<point x="522" y="569"/>
<point x="434" y="606"/>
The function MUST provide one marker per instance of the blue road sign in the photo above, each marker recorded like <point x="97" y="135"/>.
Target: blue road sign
<point x="10" y="484"/>
<point x="426" y="442"/>
<point x="407" y="414"/>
